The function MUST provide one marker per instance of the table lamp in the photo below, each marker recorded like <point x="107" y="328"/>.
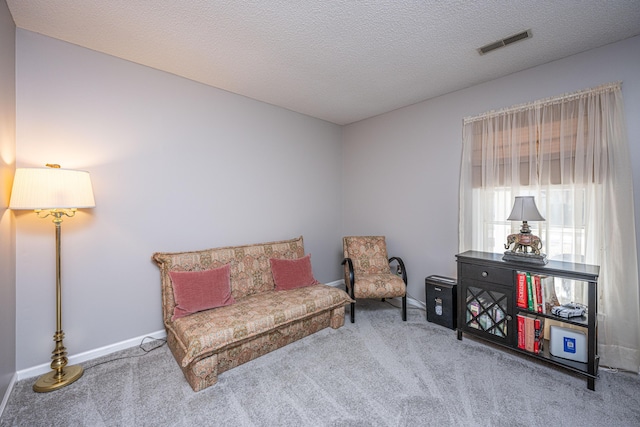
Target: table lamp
<point x="526" y="246"/>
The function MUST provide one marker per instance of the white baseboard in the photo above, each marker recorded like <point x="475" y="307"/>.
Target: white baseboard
<point x="7" y="393"/>
<point x="410" y="302"/>
<point x="336" y="283"/>
<point x="89" y="355"/>
<point x="416" y="303"/>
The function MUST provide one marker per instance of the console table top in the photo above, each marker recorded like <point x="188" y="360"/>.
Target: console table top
<point x="553" y="267"/>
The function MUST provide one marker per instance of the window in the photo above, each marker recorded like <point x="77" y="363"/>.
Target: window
<point x="563" y="233"/>
<point x="571" y="153"/>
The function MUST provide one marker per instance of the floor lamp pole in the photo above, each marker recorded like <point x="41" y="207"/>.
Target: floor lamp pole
<point x="60" y="375"/>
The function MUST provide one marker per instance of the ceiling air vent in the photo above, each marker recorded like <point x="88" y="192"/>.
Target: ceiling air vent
<point x="504" y="42"/>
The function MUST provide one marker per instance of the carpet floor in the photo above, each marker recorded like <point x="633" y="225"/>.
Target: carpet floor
<point x="379" y="371"/>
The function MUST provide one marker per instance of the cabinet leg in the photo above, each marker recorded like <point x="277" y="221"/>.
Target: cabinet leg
<point x="459" y="334"/>
<point x="591" y="384"/>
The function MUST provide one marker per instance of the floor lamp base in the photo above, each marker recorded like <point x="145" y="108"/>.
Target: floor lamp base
<point x="48" y="382"/>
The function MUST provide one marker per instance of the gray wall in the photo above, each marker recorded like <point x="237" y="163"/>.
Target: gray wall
<point x="179" y="166"/>
<point x="7" y="224"/>
<point x="175" y="166"/>
<point x="401" y="169"/>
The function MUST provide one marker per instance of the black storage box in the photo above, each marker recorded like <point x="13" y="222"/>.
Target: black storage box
<point x="441" y="301"/>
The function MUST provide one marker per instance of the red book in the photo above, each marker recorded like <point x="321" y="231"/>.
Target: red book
<point x="521" y="333"/>
<point x="538" y="334"/>
<point x="538" y="288"/>
<point x="521" y="289"/>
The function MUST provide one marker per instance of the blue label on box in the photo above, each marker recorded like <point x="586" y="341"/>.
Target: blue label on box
<point x="569" y="345"/>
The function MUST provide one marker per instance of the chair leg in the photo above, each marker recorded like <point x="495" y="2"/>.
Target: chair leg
<point x="404" y="307"/>
<point x="353" y="312"/>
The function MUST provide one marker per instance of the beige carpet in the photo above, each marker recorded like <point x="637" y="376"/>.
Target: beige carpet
<point x="379" y="371"/>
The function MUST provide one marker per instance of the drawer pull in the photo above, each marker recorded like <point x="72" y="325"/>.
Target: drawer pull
<point x="485" y="274"/>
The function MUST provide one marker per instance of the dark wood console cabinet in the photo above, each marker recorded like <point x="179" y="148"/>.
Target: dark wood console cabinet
<point x="487" y="305"/>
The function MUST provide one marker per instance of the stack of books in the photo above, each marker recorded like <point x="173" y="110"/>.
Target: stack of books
<point x="535" y="292"/>
<point x="530" y="332"/>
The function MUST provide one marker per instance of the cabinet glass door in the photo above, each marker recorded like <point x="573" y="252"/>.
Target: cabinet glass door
<point x="486" y="310"/>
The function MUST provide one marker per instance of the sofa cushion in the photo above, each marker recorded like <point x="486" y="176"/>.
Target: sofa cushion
<point x="196" y="291"/>
<point x="292" y="273"/>
<point x="207" y="332"/>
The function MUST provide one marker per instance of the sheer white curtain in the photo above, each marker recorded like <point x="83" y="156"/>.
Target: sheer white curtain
<point x="571" y="153"/>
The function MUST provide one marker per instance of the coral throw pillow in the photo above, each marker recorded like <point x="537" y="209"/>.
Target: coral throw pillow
<point x="195" y="291"/>
<point x="292" y="273"/>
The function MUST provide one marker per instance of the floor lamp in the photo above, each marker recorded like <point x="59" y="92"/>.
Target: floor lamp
<point x="54" y="192"/>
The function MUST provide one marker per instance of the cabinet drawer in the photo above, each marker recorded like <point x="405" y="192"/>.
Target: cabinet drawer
<point x="485" y="273"/>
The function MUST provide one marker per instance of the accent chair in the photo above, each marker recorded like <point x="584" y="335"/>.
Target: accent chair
<point x="367" y="271"/>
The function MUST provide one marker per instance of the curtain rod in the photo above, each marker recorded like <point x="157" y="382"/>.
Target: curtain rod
<point x="543" y="102"/>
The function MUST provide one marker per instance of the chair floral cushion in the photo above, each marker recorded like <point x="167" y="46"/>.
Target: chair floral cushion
<point x="368" y="254"/>
<point x="379" y="286"/>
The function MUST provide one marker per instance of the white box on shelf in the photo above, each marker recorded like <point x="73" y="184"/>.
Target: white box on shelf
<point x="568" y="343"/>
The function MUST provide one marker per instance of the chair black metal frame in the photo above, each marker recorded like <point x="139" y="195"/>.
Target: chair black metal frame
<point x="352" y="281"/>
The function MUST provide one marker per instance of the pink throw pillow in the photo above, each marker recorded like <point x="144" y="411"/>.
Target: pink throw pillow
<point x="292" y="273"/>
<point x="196" y="291"/>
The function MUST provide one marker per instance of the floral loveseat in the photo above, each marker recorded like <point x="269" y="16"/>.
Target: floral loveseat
<point x="270" y="300"/>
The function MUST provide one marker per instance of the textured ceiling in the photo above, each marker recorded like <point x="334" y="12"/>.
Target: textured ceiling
<point x="337" y="60"/>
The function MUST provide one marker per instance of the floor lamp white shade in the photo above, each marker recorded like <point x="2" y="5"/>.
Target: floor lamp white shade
<point x="51" y="188"/>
